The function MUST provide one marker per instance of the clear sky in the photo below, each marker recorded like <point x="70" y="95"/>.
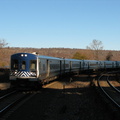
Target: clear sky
<point x="60" y="23"/>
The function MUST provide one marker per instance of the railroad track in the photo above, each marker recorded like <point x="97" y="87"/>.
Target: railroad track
<point x="109" y="86"/>
<point x="11" y="100"/>
<point x="7" y="95"/>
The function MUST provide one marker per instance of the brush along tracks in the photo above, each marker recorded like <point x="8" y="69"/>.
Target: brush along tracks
<point x="110" y="87"/>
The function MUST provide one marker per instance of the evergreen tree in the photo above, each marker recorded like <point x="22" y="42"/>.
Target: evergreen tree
<point x="79" y="56"/>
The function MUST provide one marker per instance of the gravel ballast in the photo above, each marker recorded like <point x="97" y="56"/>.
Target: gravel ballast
<point x="65" y="100"/>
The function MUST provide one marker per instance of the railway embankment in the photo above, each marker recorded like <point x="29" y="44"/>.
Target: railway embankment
<point x="4" y="75"/>
<point x="67" y="99"/>
<point x="4" y="79"/>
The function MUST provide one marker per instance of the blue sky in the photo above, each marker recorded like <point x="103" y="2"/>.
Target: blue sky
<point x="60" y="23"/>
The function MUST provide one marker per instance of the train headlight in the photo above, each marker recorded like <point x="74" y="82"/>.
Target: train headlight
<point x="15" y="72"/>
<point x="25" y="55"/>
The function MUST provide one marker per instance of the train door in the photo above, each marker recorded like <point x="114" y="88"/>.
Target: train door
<point x="80" y="67"/>
<point x="38" y="63"/>
<point x="48" y="68"/>
<point x="71" y="67"/>
<point x="64" y="66"/>
<point x="88" y="65"/>
<point x="39" y="67"/>
<point x="116" y="64"/>
<point x="105" y="65"/>
<point x="83" y="65"/>
<point x="60" y="67"/>
<point x="113" y="64"/>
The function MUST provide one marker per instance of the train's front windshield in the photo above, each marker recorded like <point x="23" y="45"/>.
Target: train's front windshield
<point x="23" y="65"/>
<point x="33" y="65"/>
<point x="14" y="64"/>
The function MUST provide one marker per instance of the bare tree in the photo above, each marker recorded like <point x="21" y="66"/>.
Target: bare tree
<point x="2" y="43"/>
<point x="96" y="46"/>
<point x="2" y="55"/>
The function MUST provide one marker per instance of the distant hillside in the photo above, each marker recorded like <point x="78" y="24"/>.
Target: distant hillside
<point x="5" y="53"/>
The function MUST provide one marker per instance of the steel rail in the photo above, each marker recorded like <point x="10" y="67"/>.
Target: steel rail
<point x="8" y="94"/>
<point x="106" y="92"/>
<point x="8" y="107"/>
<point x="112" y="85"/>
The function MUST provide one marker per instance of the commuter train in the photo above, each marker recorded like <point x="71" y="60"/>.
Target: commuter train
<point x="31" y="69"/>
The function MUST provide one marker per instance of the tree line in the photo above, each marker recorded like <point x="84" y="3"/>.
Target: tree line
<point x="94" y="51"/>
<point x="96" y="48"/>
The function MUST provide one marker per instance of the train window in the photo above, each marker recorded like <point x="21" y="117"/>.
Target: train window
<point x="54" y="66"/>
<point x="14" y="64"/>
<point x="67" y="65"/>
<point x="23" y="65"/>
<point x="33" y="65"/>
<point x="75" y="65"/>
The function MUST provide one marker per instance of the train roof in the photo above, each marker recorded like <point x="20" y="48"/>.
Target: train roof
<point x="34" y="54"/>
<point x="49" y="57"/>
<point x="72" y="59"/>
<point x="22" y="53"/>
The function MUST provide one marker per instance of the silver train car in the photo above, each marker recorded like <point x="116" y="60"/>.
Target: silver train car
<point x="31" y="69"/>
